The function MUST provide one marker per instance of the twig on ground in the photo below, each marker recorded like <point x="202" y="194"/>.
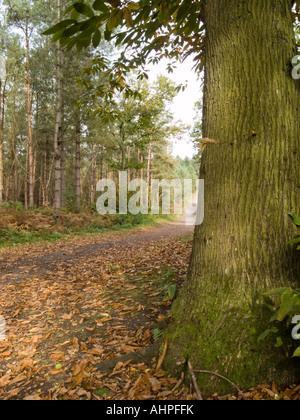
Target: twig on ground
<point x="162" y="357"/>
<point x="179" y="383"/>
<point x="219" y="376"/>
<point x="194" y="380"/>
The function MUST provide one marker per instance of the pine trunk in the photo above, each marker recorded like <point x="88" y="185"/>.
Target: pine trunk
<point x="30" y="140"/>
<point x="63" y="172"/>
<point x="251" y="107"/>
<point x="58" y="128"/>
<point x="93" y="174"/>
<point x="78" y="165"/>
<point x="1" y="146"/>
<point x="149" y="165"/>
<point x="47" y="175"/>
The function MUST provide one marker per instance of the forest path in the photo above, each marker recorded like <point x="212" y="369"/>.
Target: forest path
<point x="71" y="305"/>
<point x="18" y="264"/>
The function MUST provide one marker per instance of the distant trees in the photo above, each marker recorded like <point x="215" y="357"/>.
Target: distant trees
<point x="58" y="135"/>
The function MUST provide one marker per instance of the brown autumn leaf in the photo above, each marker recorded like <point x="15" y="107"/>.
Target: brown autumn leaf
<point x="67" y="317"/>
<point x="26" y="364"/>
<point x="20" y="378"/>
<point x="33" y="397"/>
<point x="28" y="352"/>
<point x="58" y="356"/>
<point x="77" y="380"/>
<point x="155" y="384"/>
<point x="5" y="353"/>
<point x="4" y="380"/>
<point x="54" y="372"/>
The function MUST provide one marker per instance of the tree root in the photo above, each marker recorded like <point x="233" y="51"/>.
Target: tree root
<point x="145" y="355"/>
<point x="221" y="377"/>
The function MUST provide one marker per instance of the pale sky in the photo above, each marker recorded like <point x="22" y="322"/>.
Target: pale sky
<point x="183" y="107"/>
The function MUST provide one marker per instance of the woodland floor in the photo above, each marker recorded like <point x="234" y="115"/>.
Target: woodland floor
<point x="72" y="306"/>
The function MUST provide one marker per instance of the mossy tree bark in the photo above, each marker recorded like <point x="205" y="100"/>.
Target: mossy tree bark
<point x="251" y="107"/>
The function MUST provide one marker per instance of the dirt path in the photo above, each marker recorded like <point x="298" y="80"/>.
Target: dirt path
<point x="22" y="263"/>
<point x="71" y="305"/>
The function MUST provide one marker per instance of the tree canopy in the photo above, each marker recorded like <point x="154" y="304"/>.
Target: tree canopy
<point x="150" y="29"/>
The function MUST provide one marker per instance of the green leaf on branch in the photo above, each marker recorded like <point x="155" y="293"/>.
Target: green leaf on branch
<point x="114" y="3"/>
<point x="57" y="36"/>
<point x="100" y="6"/>
<point x="61" y="25"/>
<point x="96" y="38"/>
<point x="72" y="30"/>
<point x="128" y="16"/>
<point x="83" y="9"/>
<point x="133" y="6"/>
<point x="114" y="20"/>
<point x="183" y="11"/>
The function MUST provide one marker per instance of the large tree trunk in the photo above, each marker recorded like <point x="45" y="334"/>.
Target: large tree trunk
<point x="251" y="107"/>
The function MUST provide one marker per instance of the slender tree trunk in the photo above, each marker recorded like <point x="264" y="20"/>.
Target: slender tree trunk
<point x="251" y="107"/>
<point x="123" y="158"/>
<point x="13" y="176"/>
<point x="63" y="151"/>
<point x="58" y="127"/>
<point x="149" y="170"/>
<point x="93" y="175"/>
<point x="101" y="163"/>
<point x="149" y="165"/>
<point x="78" y="165"/>
<point x="142" y="162"/>
<point x="47" y="175"/>
<point x="26" y="182"/>
<point x="63" y="173"/>
<point x="37" y="164"/>
<point x="129" y="158"/>
<point x="30" y="142"/>
<point x="1" y="145"/>
<point x="136" y="172"/>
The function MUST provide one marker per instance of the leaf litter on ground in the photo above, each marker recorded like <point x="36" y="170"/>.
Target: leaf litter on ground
<point x="61" y="325"/>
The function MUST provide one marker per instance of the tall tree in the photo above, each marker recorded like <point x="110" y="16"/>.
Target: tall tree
<point x="2" y="78"/>
<point x="58" y="125"/>
<point x="2" y="101"/>
<point x="78" y="163"/>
